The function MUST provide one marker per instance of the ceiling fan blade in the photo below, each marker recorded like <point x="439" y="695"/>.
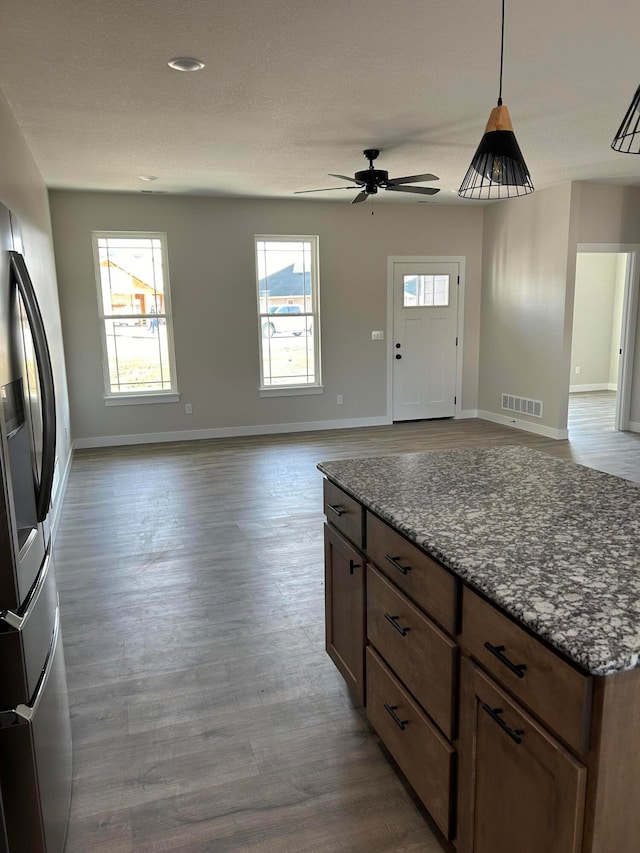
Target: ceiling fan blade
<point x="412" y="179"/>
<point x="417" y="190"/>
<point x="351" y="180"/>
<point x="360" y="197"/>
<point x="324" y="190"/>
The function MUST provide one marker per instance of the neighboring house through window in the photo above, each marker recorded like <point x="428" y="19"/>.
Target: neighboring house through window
<point x="288" y="314"/>
<point x="134" y="305"/>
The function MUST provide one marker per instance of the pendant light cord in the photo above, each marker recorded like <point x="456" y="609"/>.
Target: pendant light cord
<point x="501" y="55"/>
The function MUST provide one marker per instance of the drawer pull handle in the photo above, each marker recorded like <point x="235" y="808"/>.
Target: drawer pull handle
<point x="353" y="565"/>
<point x="337" y="509"/>
<point x="393" y="620"/>
<point x="391" y="710"/>
<point x="395" y="562"/>
<point x="494" y="713"/>
<point x="517" y="668"/>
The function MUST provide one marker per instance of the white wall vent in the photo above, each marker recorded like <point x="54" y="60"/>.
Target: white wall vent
<point x="522" y="405"/>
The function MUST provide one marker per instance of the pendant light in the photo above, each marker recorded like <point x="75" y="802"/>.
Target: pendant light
<point x="498" y="169"/>
<point x="627" y="139"/>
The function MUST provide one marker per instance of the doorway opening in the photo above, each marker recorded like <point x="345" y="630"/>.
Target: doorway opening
<point x="603" y="335"/>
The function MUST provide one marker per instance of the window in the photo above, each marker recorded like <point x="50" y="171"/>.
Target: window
<point x="135" y="312"/>
<point x="288" y="314"/>
<point x="421" y="291"/>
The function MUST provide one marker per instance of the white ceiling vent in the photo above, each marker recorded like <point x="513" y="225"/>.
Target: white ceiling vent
<point x="522" y="405"/>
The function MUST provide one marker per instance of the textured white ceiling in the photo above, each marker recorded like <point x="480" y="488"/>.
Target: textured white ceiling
<point x="295" y="89"/>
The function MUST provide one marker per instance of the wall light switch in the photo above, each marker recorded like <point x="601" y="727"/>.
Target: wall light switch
<point x="188" y="409"/>
<point x="377" y="336"/>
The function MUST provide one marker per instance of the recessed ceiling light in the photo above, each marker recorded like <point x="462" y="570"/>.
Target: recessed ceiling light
<point x="186" y="63"/>
<point x="148" y="177"/>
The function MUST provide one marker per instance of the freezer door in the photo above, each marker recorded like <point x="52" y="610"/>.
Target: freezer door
<point x="25" y="637"/>
<point x="35" y="762"/>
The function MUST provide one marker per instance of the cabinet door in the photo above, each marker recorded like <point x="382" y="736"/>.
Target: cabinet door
<point x="345" y="609"/>
<point x="520" y="790"/>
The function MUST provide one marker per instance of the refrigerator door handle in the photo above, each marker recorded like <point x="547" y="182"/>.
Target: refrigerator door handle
<point x="28" y="712"/>
<point x="45" y="372"/>
<point x="14" y="619"/>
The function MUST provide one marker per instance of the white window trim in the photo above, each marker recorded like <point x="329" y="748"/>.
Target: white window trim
<point x="129" y="398"/>
<point x="297" y="389"/>
<point x="137" y="399"/>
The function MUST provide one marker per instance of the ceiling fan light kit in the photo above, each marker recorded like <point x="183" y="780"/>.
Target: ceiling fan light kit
<point x="627" y="139"/>
<point x="498" y="169"/>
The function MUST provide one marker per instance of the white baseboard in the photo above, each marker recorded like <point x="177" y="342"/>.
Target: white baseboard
<point x="597" y="386"/>
<point x="225" y="432"/>
<point x="58" y="498"/>
<point x="528" y="426"/>
<point x="466" y="413"/>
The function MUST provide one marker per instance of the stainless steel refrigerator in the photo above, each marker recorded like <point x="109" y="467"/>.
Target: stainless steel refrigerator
<point x="35" y="731"/>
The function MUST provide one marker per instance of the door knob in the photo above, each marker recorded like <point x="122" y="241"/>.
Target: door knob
<point x="398" y="346"/>
<point x="398" y="355"/>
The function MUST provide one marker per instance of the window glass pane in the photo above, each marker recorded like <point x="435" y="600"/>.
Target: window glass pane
<point x="288" y="356"/>
<point x="131" y="275"/>
<point x="284" y="275"/>
<point x="138" y="355"/>
<point x="425" y="290"/>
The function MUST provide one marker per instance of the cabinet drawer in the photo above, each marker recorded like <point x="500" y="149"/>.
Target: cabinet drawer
<point x="553" y="689"/>
<point x="422" y="753"/>
<point x="427" y="582"/>
<point x="418" y="652"/>
<point x="344" y="512"/>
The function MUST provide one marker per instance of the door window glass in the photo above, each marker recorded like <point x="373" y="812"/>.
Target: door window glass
<point x="422" y="291"/>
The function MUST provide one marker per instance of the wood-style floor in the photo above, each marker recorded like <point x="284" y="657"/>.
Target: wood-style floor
<point x="206" y="715"/>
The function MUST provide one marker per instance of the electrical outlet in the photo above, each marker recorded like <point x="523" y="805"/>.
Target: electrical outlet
<point x="339" y="399"/>
<point x="577" y="370"/>
<point x="188" y="409"/>
<point x="377" y="336"/>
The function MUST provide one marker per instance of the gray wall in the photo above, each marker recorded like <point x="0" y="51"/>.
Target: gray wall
<point x="212" y="274"/>
<point x="526" y="265"/>
<point x="22" y="189"/>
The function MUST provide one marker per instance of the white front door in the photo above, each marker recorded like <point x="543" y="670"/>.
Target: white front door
<point x="425" y="321"/>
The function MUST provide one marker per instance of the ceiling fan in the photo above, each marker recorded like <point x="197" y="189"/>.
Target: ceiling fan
<point x="370" y="180"/>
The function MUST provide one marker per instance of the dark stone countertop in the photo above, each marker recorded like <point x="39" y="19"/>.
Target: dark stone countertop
<point x="555" y="544"/>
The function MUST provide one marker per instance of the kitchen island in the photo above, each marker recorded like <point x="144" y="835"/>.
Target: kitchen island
<point x="485" y="606"/>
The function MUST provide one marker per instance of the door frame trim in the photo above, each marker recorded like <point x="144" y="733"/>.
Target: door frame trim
<point x="425" y="259"/>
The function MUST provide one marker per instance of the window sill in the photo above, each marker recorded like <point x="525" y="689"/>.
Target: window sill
<point x="137" y="399"/>
<point x="291" y="390"/>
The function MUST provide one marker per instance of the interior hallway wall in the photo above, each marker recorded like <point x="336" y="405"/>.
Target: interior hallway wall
<point x="23" y="191"/>
<point x="526" y="265"/>
<point x="611" y="214"/>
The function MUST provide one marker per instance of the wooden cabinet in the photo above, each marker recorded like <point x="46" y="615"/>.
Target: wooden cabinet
<point x="483" y="717"/>
<point x="345" y="609"/>
<point x="521" y="791"/>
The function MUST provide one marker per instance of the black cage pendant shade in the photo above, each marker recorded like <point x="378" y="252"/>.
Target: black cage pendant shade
<point x="498" y="169"/>
<point x="627" y="139"/>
